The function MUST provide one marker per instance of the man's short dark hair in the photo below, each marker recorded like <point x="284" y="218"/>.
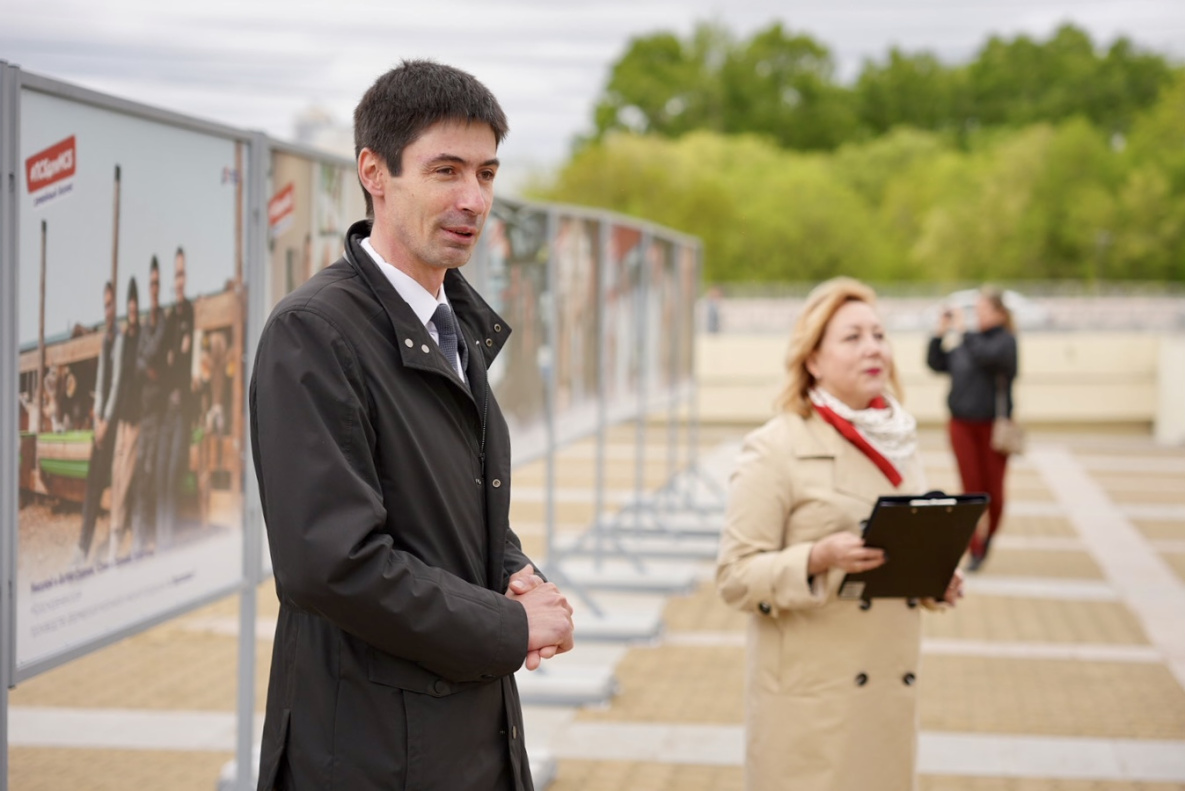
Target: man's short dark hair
<point x="109" y="289"/>
<point x="413" y="96"/>
<point x="179" y="252"/>
<point x="154" y="266"/>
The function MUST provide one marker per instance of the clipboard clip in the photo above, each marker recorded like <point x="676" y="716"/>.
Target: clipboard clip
<point x="934" y="497"/>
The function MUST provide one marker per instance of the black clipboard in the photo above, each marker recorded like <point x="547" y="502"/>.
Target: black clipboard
<point x="923" y="536"/>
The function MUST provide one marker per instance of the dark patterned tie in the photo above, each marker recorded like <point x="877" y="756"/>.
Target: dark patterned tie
<point x="446" y="328"/>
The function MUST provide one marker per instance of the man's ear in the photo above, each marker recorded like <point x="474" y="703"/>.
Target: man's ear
<point x="372" y="172"/>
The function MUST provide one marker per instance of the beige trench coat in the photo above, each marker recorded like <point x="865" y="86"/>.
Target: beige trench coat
<point x="830" y="684"/>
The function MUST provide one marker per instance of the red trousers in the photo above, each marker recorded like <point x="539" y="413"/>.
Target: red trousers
<point x="981" y="469"/>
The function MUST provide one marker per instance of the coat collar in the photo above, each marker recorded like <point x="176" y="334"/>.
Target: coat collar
<point x="484" y="329"/>
<point x="855" y="474"/>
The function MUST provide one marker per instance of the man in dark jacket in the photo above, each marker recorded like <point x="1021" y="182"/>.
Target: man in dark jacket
<point x="98" y="474"/>
<point x="150" y="365"/>
<point x="406" y="602"/>
<point x="172" y="448"/>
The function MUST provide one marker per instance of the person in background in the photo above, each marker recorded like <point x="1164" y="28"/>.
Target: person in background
<point x="150" y="364"/>
<point x="830" y="684"/>
<point x="98" y="474"/>
<point x="172" y="455"/>
<point x="981" y="364"/>
<point x="712" y="309"/>
<point x="127" y="421"/>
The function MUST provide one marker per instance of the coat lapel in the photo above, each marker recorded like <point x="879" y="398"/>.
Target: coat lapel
<point x="855" y="474"/>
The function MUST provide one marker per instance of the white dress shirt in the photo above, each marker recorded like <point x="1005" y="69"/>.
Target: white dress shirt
<point x="422" y="302"/>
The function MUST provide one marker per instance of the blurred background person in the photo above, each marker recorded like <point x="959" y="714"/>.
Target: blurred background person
<point x="98" y="473"/>
<point x="127" y="422"/>
<point x="150" y="364"/>
<point x="172" y="454"/>
<point x="830" y="701"/>
<point x="982" y="364"/>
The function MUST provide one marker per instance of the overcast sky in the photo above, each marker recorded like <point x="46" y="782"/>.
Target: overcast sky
<point x="257" y="64"/>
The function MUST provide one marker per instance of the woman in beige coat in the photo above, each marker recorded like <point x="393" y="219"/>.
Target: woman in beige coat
<point x="830" y="684"/>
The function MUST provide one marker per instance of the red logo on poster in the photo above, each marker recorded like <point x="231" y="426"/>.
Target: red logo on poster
<point x="51" y="165"/>
<point x="281" y="208"/>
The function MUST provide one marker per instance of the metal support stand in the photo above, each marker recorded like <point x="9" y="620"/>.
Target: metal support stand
<point x="9" y="387"/>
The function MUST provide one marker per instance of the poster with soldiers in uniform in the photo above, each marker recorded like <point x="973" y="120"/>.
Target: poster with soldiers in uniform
<point x="131" y="332"/>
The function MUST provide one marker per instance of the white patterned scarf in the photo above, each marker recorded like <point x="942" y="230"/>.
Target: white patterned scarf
<point x="891" y="430"/>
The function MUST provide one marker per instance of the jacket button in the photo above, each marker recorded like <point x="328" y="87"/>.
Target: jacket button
<point x="439" y="687"/>
<point x="764" y="608"/>
<point x="861" y="679"/>
<point x="908" y="679"/>
<point x="866" y="604"/>
<point x="912" y="603"/>
<point x="514" y="732"/>
<point x="478" y="481"/>
<point x="489" y="342"/>
<point x="408" y="342"/>
<point x="424" y="348"/>
<point x="496" y="483"/>
<point x="497" y="328"/>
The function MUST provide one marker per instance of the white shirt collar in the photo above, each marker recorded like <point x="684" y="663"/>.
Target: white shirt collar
<point x="422" y="302"/>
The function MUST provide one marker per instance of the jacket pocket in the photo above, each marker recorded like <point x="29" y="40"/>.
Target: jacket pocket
<point x="391" y="671"/>
<point x="270" y="762"/>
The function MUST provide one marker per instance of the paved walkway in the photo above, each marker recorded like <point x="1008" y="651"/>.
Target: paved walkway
<point x="1063" y="669"/>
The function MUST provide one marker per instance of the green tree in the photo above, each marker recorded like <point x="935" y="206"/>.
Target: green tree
<point x="666" y="86"/>
<point x="782" y="85"/>
<point x="910" y="90"/>
<point x="763" y="213"/>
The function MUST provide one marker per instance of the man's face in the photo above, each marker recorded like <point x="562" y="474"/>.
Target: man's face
<point x="133" y="312"/>
<point x="434" y="211"/>
<point x="109" y="308"/>
<point x="154" y="288"/>
<point x="179" y="277"/>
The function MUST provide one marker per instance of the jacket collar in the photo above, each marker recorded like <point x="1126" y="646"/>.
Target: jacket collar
<point x="855" y="474"/>
<point x="484" y="329"/>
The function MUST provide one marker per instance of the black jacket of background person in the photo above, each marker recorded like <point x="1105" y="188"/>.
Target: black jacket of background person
<point x="150" y="362"/>
<point x="974" y="367"/>
<point x="385" y="489"/>
<point x="177" y="374"/>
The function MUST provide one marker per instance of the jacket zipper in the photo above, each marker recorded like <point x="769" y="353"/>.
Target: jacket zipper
<point x="485" y="410"/>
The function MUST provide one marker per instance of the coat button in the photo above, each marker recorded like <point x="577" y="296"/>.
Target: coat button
<point x="497" y="328"/>
<point x="764" y="608"/>
<point x="911" y="603"/>
<point x="408" y="342"/>
<point x="440" y="687"/>
<point x="496" y="483"/>
<point x="861" y="679"/>
<point x="489" y="342"/>
<point x="908" y="679"/>
<point x="424" y="348"/>
<point x="866" y="604"/>
<point x="514" y="732"/>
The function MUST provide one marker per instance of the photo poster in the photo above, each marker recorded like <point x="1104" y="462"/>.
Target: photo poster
<point x="621" y="294"/>
<point x="577" y="350"/>
<point x="516" y="250"/>
<point x="311" y="204"/>
<point x="687" y="280"/>
<point x="131" y="420"/>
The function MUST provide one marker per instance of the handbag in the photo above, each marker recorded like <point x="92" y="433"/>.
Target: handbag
<point x="1008" y="436"/>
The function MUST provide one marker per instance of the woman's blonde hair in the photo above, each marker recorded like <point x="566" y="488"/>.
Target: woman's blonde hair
<point x="821" y="305"/>
<point x="995" y="297"/>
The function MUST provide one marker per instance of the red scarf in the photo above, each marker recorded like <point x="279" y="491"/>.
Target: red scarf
<point x="853" y="436"/>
